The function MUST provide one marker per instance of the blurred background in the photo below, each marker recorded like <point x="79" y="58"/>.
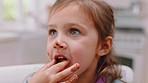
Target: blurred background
<point x="23" y="33"/>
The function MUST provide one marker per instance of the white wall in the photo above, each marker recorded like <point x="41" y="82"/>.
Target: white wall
<point x="9" y="46"/>
<point x="145" y="25"/>
<point x="33" y="47"/>
<point x="23" y="48"/>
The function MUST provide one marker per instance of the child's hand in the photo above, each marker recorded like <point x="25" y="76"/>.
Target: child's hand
<point x="55" y="73"/>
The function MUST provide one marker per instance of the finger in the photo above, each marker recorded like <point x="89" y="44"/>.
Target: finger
<point x="67" y="72"/>
<point x="68" y="77"/>
<point x="57" y="67"/>
<point x="45" y="67"/>
<point x="73" y="79"/>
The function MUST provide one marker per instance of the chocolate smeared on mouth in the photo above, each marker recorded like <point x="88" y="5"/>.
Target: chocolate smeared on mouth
<point x="60" y="59"/>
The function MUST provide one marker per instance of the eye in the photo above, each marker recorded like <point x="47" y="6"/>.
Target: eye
<point x="52" y="32"/>
<point x="74" y="32"/>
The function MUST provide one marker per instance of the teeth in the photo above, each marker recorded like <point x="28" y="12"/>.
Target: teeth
<point x="60" y="57"/>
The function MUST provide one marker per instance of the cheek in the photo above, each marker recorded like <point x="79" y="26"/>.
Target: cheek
<point x="84" y="57"/>
<point x="82" y="53"/>
<point x="49" y="50"/>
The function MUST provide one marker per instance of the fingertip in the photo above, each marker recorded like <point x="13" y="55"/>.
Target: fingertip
<point x="64" y="62"/>
<point x="75" y="67"/>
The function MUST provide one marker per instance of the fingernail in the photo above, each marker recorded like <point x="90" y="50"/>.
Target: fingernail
<point x="76" y="67"/>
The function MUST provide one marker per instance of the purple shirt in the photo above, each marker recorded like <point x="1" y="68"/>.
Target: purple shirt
<point x="100" y="80"/>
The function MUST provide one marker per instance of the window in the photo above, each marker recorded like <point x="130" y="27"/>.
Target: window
<point x="11" y="15"/>
<point x="16" y="15"/>
<point x="9" y="10"/>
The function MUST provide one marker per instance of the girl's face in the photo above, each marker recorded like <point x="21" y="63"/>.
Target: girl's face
<point x="72" y="35"/>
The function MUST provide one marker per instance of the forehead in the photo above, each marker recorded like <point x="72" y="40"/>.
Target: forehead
<point x="70" y="12"/>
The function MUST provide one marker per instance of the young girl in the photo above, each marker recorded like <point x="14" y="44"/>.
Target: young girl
<point x="80" y="44"/>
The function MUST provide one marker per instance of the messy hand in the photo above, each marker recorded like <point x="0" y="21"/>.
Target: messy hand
<point x="55" y="73"/>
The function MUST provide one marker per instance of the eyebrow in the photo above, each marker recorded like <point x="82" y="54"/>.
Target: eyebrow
<point x="72" y="24"/>
<point x="52" y="25"/>
<point x="69" y="24"/>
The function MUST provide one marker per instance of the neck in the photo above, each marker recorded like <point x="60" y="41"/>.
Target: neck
<point x="89" y="76"/>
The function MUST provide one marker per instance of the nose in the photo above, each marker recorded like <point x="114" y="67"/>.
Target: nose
<point x="60" y="45"/>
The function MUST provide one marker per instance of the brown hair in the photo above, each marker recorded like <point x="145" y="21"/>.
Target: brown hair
<point x="103" y="18"/>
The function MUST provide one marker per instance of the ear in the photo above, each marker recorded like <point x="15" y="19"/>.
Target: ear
<point x="105" y="46"/>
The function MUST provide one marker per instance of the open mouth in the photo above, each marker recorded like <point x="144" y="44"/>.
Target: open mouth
<point x="60" y="58"/>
